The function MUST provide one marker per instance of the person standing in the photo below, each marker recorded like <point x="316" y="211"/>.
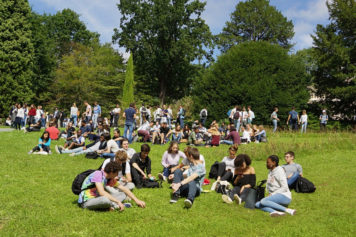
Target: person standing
<point x="88" y="111"/>
<point x="74" y="114"/>
<point x="143" y="114"/>
<point x="116" y="115"/>
<point x="32" y="114"/>
<point x="251" y="115"/>
<point x="203" y="115"/>
<point x="304" y="121"/>
<point x="275" y="119"/>
<point x="20" y="115"/>
<point x="293" y="118"/>
<point x="96" y="113"/>
<point x="180" y="116"/>
<point x="130" y="116"/>
<point x="323" y="120"/>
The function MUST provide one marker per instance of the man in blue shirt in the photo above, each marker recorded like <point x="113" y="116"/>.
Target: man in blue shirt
<point x="130" y="116"/>
<point x="293" y="118"/>
<point x="96" y="114"/>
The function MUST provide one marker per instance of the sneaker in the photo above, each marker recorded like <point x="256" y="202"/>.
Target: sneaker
<point x="226" y="199"/>
<point x="292" y="212"/>
<point x="30" y="152"/>
<point x="160" y="176"/>
<point x="174" y="198"/>
<point x="276" y="214"/>
<point x="72" y="154"/>
<point x="237" y="199"/>
<point x="187" y="203"/>
<point x="50" y="153"/>
<point x="127" y="204"/>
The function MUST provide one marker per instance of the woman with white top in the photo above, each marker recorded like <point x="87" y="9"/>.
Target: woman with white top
<point x="279" y="195"/>
<point x="20" y="116"/>
<point x="226" y="168"/>
<point x="170" y="159"/>
<point x="74" y="114"/>
<point x="304" y="121"/>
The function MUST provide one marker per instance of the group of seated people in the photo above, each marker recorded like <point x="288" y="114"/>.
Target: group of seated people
<point x="198" y="135"/>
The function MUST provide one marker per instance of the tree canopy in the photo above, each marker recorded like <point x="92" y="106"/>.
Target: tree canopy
<point x="16" y="54"/>
<point x="256" y="20"/>
<point x="165" y="37"/>
<point x="335" y="53"/>
<point x="253" y="73"/>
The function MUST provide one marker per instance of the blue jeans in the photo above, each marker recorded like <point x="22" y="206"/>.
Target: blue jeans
<point x="73" y="150"/>
<point x="169" y="122"/>
<point x="176" y="138"/>
<point x="304" y="127"/>
<point x="189" y="190"/>
<point x="292" y="179"/>
<point x="129" y="126"/>
<point x="74" y="119"/>
<point x="43" y="122"/>
<point x="237" y="124"/>
<point x="95" y="120"/>
<point x="181" y="122"/>
<point x="108" y="155"/>
<point x="274" y="121"/>
<point x="203" y="120"/>
<point x="276" y="202"/>
<point x="228" y="142"/>
<point x="87" y="119"/>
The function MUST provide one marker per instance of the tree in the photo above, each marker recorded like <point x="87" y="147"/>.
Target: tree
<point x="89" y="73"/>
<point x="253" y="73"/>
<point x="128" y="91"/>
<point x="165" y="37"/>
<point x="16" y="54"/>
<point x="256" y="20"/>
<point x="335" y="53"/>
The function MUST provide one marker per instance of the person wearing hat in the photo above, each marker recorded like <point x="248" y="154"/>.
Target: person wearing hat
<point x="323" y="120"/>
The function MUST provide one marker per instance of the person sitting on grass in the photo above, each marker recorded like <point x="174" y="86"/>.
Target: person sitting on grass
<point x="293" y="170"/>
<point x="34" y="127"/>
<point x="125" y="147"/>
<point x="43" y="146"/>
<point x="53" y="131"/>
<point x="144" y="130"/>
<point x="93" y="147"/>
<point x="155" y="132"/>
<point x="140" y="162"/>
<point x="110" y="150"/>
<point x="244" y="179"/>
<point x="194" y="138"/>
<point x="279" y="195"/>
<point x="77" y="141"/>
<point x="170" y="159"/>
<point x="233" y="137"/>
<point x="117" y="137"/>
<point x="261" y="135"/>
<point x="124" y="175"/>
<point x="177" y="134"/>
<point x="164" y="133"/>
<point x="189" y="186"/>
<point x="95" y="197"/>
<point x="226" y="167"/>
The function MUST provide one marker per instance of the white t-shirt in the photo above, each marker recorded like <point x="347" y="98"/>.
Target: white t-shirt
<point x="251" y="114"/>
<point x="244" y="115"/>
<point x="88" y="111"/>
<point x="116" y="110"/>
<point x="112" y="145"/>
<point x="304" y="118"/>
<point x="130" y="152"/>
<point x="170" y="113"/>
<point x="229" y="164"/>
<point x="20" y="113"/>
<point x="127" y="167"/>
<point x="233" y="111"/>
<point x="39" y="113"/>
<point x="73" y="111"/>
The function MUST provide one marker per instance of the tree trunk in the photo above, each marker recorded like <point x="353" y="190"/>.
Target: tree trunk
<point x="163" y="90"/>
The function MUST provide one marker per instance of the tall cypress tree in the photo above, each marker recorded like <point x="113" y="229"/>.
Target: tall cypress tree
<point x="128" y="92"/>
<point x="16" y="53"/>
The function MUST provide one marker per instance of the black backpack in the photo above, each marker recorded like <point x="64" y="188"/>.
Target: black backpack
<point x="237" y="115"/>
<point x="203" y="114"/>
<point x="304" y="186"/>
<point x="213" y="174"/>
<point x="78" y="182"/>
<point x="92" y="155"/>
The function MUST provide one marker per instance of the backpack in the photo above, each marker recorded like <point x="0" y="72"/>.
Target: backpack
<point x="237" y="115"/>
<point x="144" y="112"/>
<point x="260" y="190"/>
<point x="78" y="182"/>
<point x="147" y="183"/>
<point x="92" y="155"/>
<point x="213" y="174"/>
<point x="203" y="114"/>
<point x="304" y="186"/>
<point x="228" y="113"/>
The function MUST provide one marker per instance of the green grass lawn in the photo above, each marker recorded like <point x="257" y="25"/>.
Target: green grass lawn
<point x="36" y="197"/>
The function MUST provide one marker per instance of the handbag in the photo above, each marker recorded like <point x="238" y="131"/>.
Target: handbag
<point x="260" y="190"/>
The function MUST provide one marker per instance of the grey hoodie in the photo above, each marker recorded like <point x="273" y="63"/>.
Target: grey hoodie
<point x="277" y="182"/>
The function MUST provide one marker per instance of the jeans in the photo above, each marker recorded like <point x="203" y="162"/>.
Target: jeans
<point x="276" y="202"/>
<point x="95" y="120"/>
<point x="167" y="170"/>
<point x="189" y="190"/>
<point x="237" y="124"/>
<point x="102" y="202"/>
<point x="108" y="155"/>
<point x="43" y="122"/>
<point x="203" y="120"/>
<point x="75" y="150"/>
<point x="74" y="119"/>
<point x="304" y="127"/>
<point x="226" y="142"/>
<point x="18" y="122"/>
<point x="87" y="119"/>
<point x="176" y="138"/>
<point x="129" y="126"/>
<point x="181" y="121"/>
<point x="274" y="121"/>
<point x="237" y="190"/>
<point x="292" y="179"/>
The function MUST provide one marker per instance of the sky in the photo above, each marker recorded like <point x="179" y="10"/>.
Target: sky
<point x="102" y="16"/>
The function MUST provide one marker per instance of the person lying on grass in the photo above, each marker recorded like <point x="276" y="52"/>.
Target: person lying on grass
<point x="279" y="195"/>
<point x="124" y="175"/>
<point x="43" y="145"/>
<point x="93" y="147"/>
<point x="170" y="159"/>
<point x="293" y="170"/>
<point x="95" y="197"/>
<point x="244" y="179"/>
<point x="189" y="186"/>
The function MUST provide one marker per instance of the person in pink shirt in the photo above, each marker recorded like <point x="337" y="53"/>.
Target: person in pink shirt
<point x="170" y="159"/>
<point x="53" y="131"/>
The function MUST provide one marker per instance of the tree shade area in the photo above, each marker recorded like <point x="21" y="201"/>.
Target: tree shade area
<point x="257" y="74"/>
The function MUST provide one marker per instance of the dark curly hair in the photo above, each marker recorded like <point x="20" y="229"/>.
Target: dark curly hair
<point x="240" y="159"/>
